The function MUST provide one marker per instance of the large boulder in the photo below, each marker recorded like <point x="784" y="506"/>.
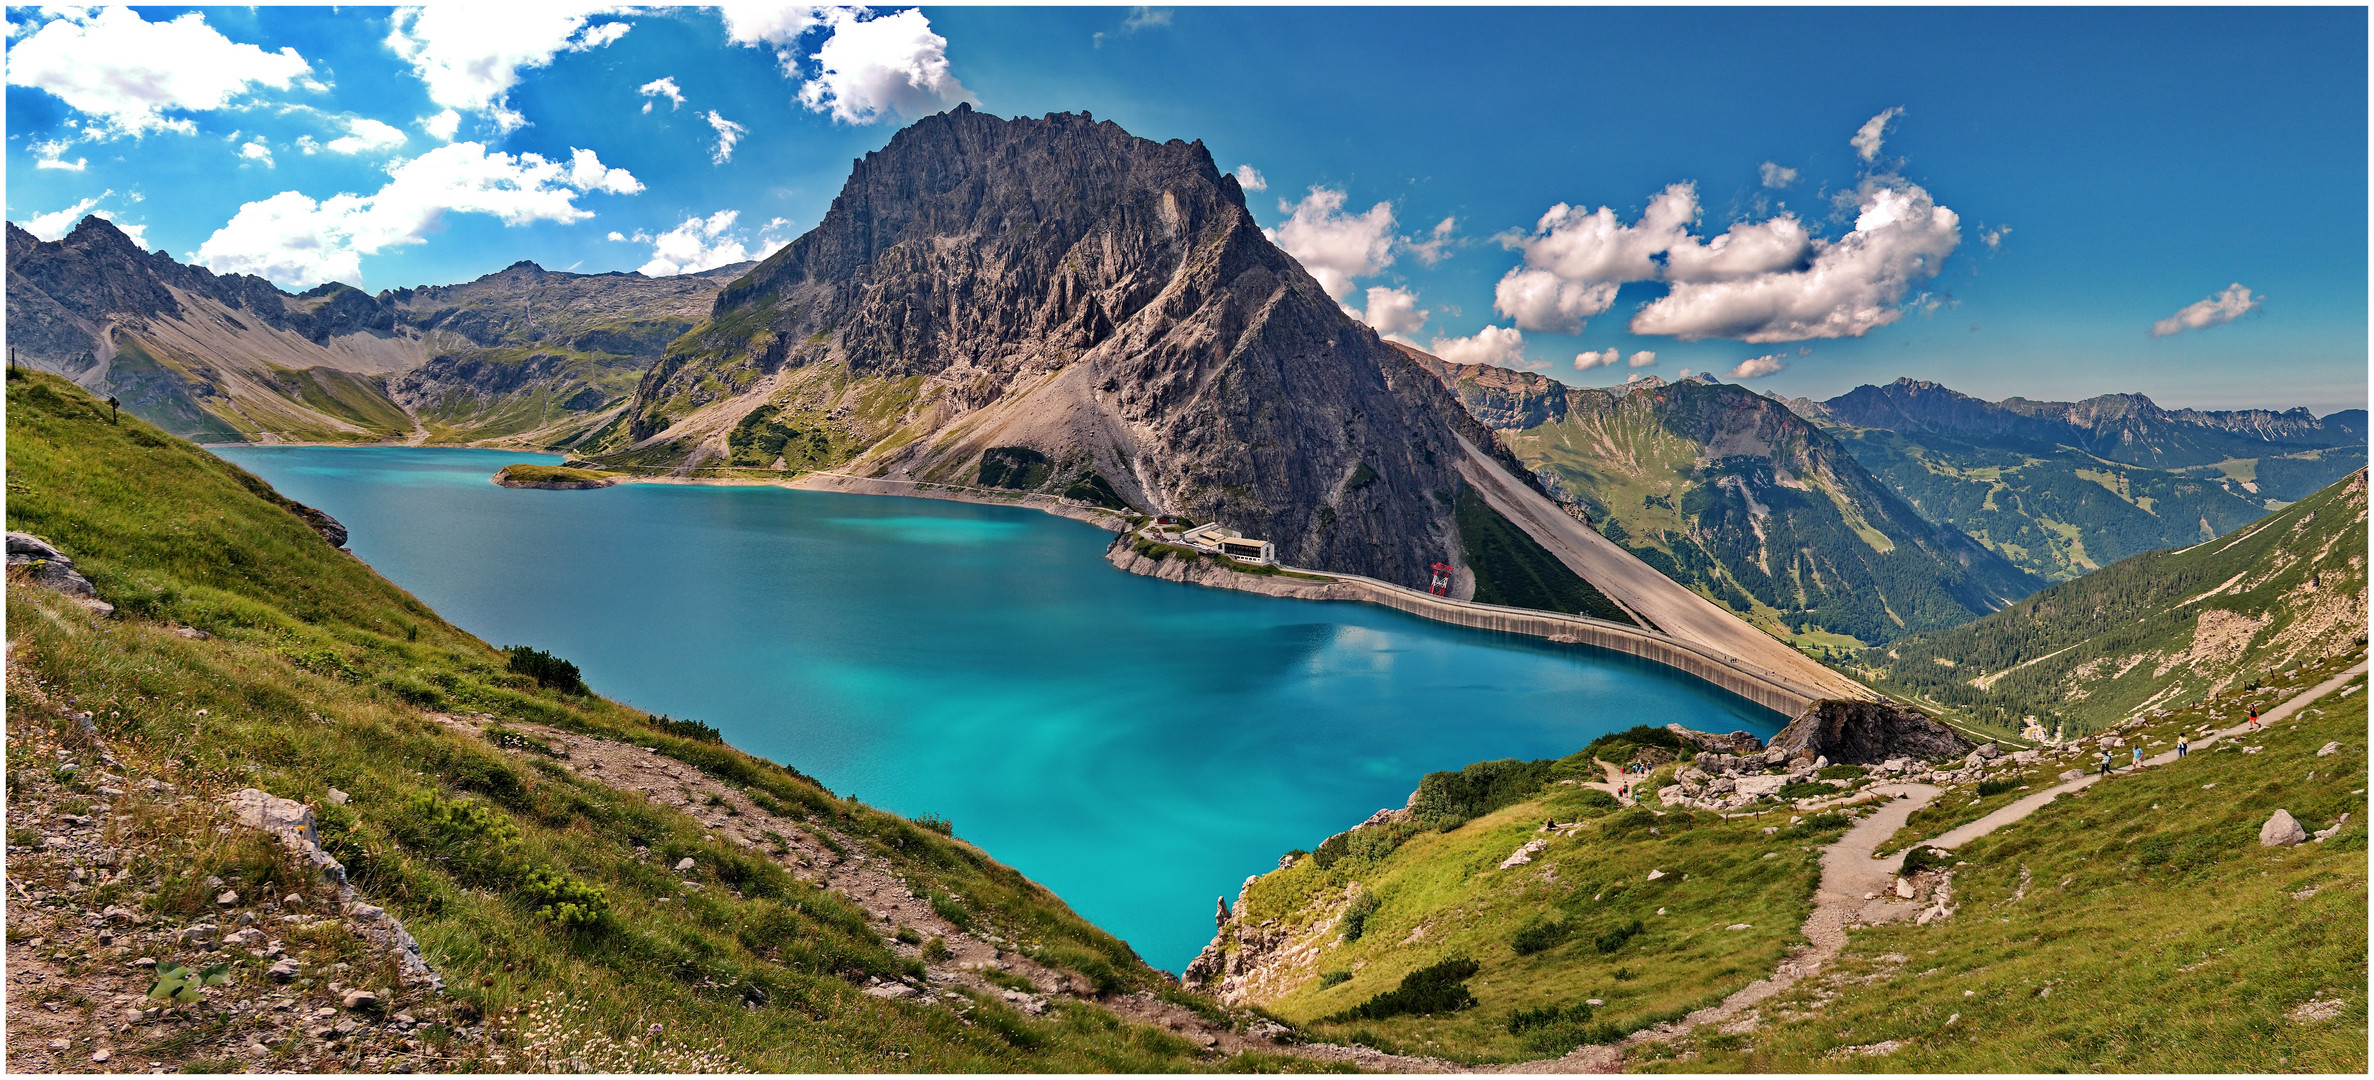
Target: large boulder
<point x="48" y="567"/>
<point x="1866" y="732"/>
<point x="2282" y="830"/>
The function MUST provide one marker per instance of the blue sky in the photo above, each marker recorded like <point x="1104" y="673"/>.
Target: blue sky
<point x="2062" y="203"/>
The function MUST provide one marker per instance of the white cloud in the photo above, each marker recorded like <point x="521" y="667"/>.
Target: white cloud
<point x="1140" y="18"/>
<point x="588" y="174"/>
<point x="2222" y="307"/>
<point x="444" y="126"/>
<point x="779" y="25"/>
<point x="127" y="73"/>
<point x="1575" y="260"/>
<point x="1867" y="138"/>
<point x="1392" y="311"/>
<point x="1586" y="360"/>
<point x="1334" y="246"/>
<point x="52" y="226"/>
<point x="883" y="67"/>
<point x="1540" y="300"/>
<point x="1643" y="358"/>
<point x="774" y="236"/>
<point x="47" y="155"/>
<point x="1431" y="250"/>
<point x="294" y="240"/>
<point x="728" y="133"/>
<point x="255" y="150"/>
<point x="662" y="87"/>
<point x="698" y="244"/>
<point x="1993" y="238"/>
<point x="1756" y="367"/>
<point x="1250" y="178"/>
<point x="1500" y="345"/>
<point x="1744" y="250"/>
<point x="1849" y="287"/>
<point x="616" y="235"/>
<point x="470" y="56"/>
<point x="365" y="135"/>
<point x="1777" y="176"/>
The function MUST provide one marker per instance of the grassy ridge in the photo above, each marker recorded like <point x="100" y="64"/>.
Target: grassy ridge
<point x="316" y="674"/>
<point x="1580" y="921"/>
<point x="2137" y="927"/>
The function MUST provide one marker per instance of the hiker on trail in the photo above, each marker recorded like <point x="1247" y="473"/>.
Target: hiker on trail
<point x="2106" y="761"/>
<point x="2182" y="747"/>
<point x="2254" y="718"/>
<point x="2139" y="757"/>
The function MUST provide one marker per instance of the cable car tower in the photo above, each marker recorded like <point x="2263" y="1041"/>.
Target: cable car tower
<point x="1441" y="585"/>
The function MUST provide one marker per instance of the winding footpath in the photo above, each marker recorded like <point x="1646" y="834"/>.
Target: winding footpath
<point x="2029" y="805"/>
<point x="1853" y="874"/>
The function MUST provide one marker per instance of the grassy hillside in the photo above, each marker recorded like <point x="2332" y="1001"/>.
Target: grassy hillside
<point x="2158" y="630"/>
<point x="1580" y="920"/>
<point x="248" y="652"/>
<point x="1513" y="569"/>
<point x="2138" y="927"/>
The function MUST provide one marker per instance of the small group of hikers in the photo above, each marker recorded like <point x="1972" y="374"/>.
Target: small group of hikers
<point x="2183" y="744"/>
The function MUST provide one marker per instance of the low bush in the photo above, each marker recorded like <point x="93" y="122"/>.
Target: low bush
<point x="685" y="729"/>
<point x="1356" y="914"/>
<point x="1613" y="939"/>
<point x="1540" y="934"/>
<point x="1997" y="787"/>
<point x="549" y="671"/>
<point x="1926" y="858"/>
<point x="1806" y="790"/>
<point x="1447" y="800"/>
<point x="1438" y="988"/>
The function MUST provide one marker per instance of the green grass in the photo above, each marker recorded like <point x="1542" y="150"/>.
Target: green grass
<point x="2153" y="933"/>
<point x="1514" y="570"/>
<point x="521" y="879"/>
<point x="550" y="474"/>
<point x="1592" y="885"/>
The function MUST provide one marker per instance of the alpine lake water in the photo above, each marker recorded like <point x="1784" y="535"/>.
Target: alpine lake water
<point x="1138" y="746"/>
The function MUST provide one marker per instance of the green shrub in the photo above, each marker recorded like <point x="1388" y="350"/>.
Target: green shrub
<point x="563" y="900"/>
<point x="1841" y="772"/>
<point x="1330" y="850"/>
<point x="685" y="729"/>
<point x="935" y="823"/>
<point x="1333" y="978"/>
<point x="549" y="671"/>
<point x="1539" y="933"/>
<point x="1438" y="988"/>
<point x="1925" y="858"/>
<point x="1615" y="938"/>
<point x="1356" y="914"/>
<point x="1806" y="790"/>
<point x="1554" y="1030"/>
<point x="1447" y="800"/>
<point x="1997" y="787"/>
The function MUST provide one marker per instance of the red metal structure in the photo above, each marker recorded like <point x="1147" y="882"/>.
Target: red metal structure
<point x="1441" y="586"/>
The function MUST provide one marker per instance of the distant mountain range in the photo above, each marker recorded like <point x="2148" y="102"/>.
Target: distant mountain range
<point x="2064" y="488"/>
<point x="1736" y="496"/>
<point x="2161" y="629"/>
<point x="524" y="353"/>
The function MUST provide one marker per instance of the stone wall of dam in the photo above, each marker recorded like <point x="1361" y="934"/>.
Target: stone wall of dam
<point x="1772" y="690"/>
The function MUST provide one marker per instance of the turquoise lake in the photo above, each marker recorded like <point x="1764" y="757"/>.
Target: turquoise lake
<point x="1138" y="746"/>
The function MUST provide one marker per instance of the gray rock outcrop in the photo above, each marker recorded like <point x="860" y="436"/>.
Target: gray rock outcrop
<point x="2282" y="830"/>
<point x="1737" y="742"/>
<point x="52" y="569"/>
<point x="1867" y="732"/>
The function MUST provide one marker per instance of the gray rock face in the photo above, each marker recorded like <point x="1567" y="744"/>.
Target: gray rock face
<point x="1105" y="301"/>
<point x="1737" y="742"/>
<point x="49" y="567"/>
<point x="2281" y="830"/>
<point x="1867" y="732"/>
